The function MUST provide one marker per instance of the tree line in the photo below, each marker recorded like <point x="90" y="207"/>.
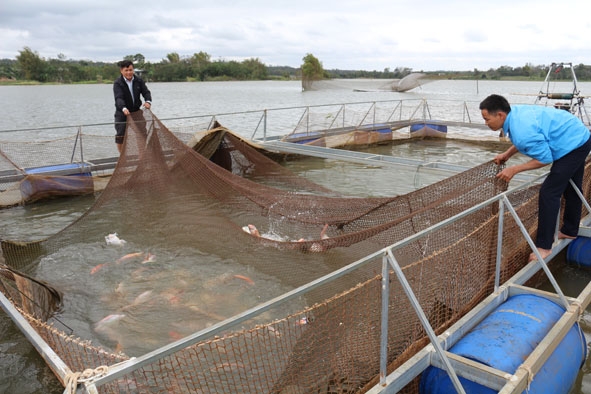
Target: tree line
<point x="29" y="66"/>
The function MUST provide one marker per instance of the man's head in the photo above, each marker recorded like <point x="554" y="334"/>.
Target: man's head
<point x="126" y="68"/>
<point x="494" y="110"/>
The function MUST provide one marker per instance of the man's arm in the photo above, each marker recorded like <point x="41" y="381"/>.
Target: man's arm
<point x="508" y="173"/>
<point x="506" y="155"/>
<point x="119" y="96"/>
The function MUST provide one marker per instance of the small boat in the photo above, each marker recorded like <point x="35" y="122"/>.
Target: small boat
<point x="58" y="180"/>
<point x="425" y="129"/>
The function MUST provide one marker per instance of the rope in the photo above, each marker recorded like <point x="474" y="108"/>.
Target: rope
<point x="19" y="168"/>
<point x="73" y="378"/>
<point x="530" y="376"/>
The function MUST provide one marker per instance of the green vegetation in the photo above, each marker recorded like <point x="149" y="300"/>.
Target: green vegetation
<point x="30" y="68"/>
<point x="312" y="70"/>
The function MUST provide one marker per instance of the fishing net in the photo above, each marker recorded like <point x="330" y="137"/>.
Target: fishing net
<point x="167" y="251"/>
<point x="80" y="164"/>
<point x="409" y="82"/>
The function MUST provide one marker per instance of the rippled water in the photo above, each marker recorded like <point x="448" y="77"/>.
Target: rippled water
<point x="23" y="371"/>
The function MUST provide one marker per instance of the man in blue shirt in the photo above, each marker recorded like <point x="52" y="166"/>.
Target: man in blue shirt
<point x="548" y="136"/>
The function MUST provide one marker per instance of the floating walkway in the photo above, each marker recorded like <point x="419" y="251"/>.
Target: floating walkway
<point x="481" y="375"/>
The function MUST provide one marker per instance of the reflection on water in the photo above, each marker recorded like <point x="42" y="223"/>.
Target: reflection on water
<point x="40" y="220"/>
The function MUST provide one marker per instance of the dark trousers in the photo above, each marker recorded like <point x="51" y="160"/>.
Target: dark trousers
<point x="120" y="125"/>
<point x="570" y="166"/>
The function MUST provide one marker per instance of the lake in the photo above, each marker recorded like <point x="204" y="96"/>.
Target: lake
<point x="27" y="107"/>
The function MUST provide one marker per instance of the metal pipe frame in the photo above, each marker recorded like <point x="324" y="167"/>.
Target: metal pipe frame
<point x="502" y="381"/>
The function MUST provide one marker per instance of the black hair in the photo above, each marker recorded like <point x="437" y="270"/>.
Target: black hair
<point x="495" y="103"/>
<point x="125" y="63"/>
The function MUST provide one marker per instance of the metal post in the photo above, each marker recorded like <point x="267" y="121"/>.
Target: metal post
<point x="536" y="252"/>
<point x="499" y="245"/>
<point x="425" y="322"/>
<point x="265" y="125"/>
<point x="75" y="144"/>
<point x="583" y="200"/>
<point x="384" y="320"/>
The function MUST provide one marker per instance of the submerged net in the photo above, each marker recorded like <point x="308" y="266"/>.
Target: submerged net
<point x="188" y="262"/>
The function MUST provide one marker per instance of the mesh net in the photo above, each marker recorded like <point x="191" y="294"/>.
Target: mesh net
<point x="191" y="261"/>
<point x="76" y="165"/>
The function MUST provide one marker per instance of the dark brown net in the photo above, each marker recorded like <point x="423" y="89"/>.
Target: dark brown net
<point x="188" y="209"/>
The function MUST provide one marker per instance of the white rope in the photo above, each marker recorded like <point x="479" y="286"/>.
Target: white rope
<point x="74" y="378"/>
<point x="530" y="377"/>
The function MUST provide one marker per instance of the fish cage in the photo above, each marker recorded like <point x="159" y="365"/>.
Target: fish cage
<point x="333" y="319"/>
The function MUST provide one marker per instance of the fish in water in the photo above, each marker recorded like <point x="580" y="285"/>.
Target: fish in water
<point x="96" y="268"/>
<point x="140" y="299"/>
<point x="252" y="230"/>
<point x="149" y="258"/>
<point x="175" y="335"/>
<point x="244" y="278"/>
<point x="113" y="239"/>
<point x="323" y="232"/>
<point x="102" y="324"/>
<point x="129" y="256"/>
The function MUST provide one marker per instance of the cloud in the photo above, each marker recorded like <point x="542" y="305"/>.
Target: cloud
<point x="421" y="34"/>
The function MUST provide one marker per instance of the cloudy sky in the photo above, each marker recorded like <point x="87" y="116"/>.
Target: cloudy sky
<point x="424" y="35"/>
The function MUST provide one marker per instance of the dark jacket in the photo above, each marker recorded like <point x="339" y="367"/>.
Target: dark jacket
<point x="123" y="95"/>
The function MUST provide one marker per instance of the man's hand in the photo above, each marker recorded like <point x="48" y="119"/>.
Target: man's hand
<point x="508" y="173"/>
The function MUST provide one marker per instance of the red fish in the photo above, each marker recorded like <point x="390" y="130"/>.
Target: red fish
<point x="101" y="325"/>
<point x="252" y="230"/>
<point x="244" y="278"/>
<point x="129" y="257"/>
<point x="96" y="268"/>
<point x="149" y="258"/>
<point x="175" y="335"/>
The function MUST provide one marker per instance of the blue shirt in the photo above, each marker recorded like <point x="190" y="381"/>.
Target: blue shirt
<point x="544" y="133"/>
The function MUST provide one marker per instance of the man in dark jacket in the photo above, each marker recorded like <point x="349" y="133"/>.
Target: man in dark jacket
<point x="127" y="90"/>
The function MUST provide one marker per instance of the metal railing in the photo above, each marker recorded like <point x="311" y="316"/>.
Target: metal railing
<point x="498" y="380"/>
<point x="274" y="122"/>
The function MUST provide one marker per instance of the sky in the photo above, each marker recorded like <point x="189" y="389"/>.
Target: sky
<point x="423" y="35"/>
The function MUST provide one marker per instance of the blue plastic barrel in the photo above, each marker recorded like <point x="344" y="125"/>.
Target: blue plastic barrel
<point x="506" y="337"/>
<point x="579" y="252"/>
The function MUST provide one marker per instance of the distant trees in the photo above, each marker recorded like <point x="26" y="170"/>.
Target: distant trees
<point x="200" y="67"/>
<point x="527" y="72"/>
<point x="312" y="70"/>
<point x="29" y="66"/>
